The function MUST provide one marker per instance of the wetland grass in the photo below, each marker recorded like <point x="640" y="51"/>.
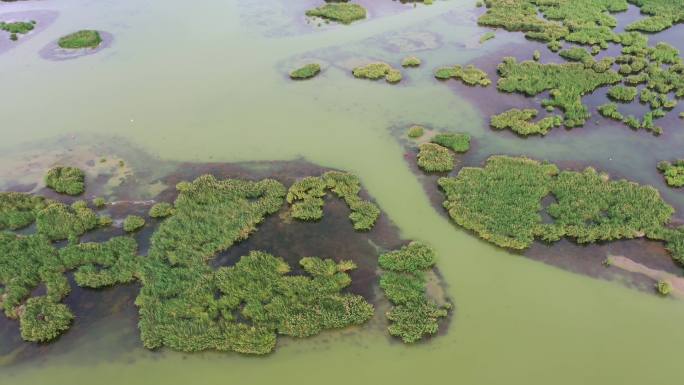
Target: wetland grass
<point x="672" y="172"/>
<point x="469" y="75"/>
<point x="378" y="70"/>
<point x="520" y="122"/>
<point x="344" y="13"/>
<point x="435" y="158"/>
<point x="306" y="72"/>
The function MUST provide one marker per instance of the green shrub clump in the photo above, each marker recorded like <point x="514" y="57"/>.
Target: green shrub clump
<point x="567" y="84"/>
<point x="502" y="203"/>
<point x="66" y="180"/>
<point x="306" y="198"/>
<point x="80" y="39"/>
<point x="306" y="72"/>
<point x="622" y="93"/>
<point x="469" y="75"/>
<point x="133" y="223"/>
<point x="58" y="221"/>
<point x="99" y="202"/>
<point x="457" y="142"/>
<point x="43" y="319"/>
<point x="413" y="315"/>
<point x="673" y="172"/>
<point x="663" y="287"/>
<point x="416" y="131"/>
<point x="663" y="14"/>
<point x="610" y="110"/>
<point x="519" y="121"/>
<point x="410" y="61"/>
<point x="17" y="27"/>
<point x="379" y="70"/>
<point x="435" y="158"/>
<point x="161" y="210"/>
<point x="344" y="13"/>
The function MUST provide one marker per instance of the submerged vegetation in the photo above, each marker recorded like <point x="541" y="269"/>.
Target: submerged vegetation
<point x="469" y="75"/>
<point x="306" y="198"/>
<point x="520" y="122"/>
<point x="306" y="72"/>
<point x="379" y="70"/>
<point x="673" y="172"/>
<point x="344" y="13"/>
<point x="413" y="315"/>
<point x="80" y="39"/>
<point x="502" y="204"/>
<point x="66" y="180"/>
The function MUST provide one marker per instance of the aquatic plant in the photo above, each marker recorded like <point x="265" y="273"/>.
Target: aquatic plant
<point x="456" y="142"/>
<point x="487" y="36"/>
<point x="413" y="315"/>
<point x="306" y="198"/>
<point x="415" y="131"/>
<point x="435" y="158"/>
<point x="566" y="82"/>
<point x="344" y="13"/>
<point x="665" y="53"/>
<point x="306" y="72"/>
<point x="18" y="210"/>
<point x="622" y="93"/>
<point x="133" y="223"/>
<point x="66" y="180"/>
<point x="410" y="61"/>
<point x="43" y="319"/>
<point x="101" y="264"/>
<point x="80" y="39"/>
<point x="520" y="122"/>
<point x="378" y="70"/>
<point x="663" y="287"/>
<point x="99" y="202"/>
<point x="161" y="210"/>
<point x="536" y="55"/>
<point x="672" y="172"/>
<point x="576" y="54"/>
<point x="469" y="75"/>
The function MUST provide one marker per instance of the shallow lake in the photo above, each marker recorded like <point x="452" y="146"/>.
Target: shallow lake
<point x="207" y="82"/>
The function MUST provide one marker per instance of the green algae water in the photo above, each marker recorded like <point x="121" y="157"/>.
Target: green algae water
<point x="207" y="82"/>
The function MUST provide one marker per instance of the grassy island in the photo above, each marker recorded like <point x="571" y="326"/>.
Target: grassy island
<point x="469" y="75"/>
<point x="66" y="180"/>
<point x="672" y="172"/>
<point x="435" y="158"/>
<point x="502" y="204"/>
<point x="306" y="72"/>
<point x="379" y="70"/>
<point x="520" y="122"/>
<point x="18" y="210"/>
<point x="413" y="315"/>
<point x="80" y="39"/>
<point x="161" y="210"/>
<point x="344" y="13"/>
<point x="567" y="84"/>
<point x="306" y="198"/>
